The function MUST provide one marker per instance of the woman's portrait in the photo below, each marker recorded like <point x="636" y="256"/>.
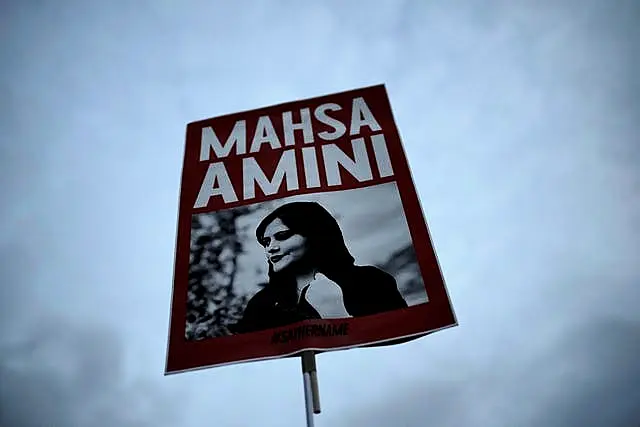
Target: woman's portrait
<point x="312" y="275"/>
<point x="308" y="264"/>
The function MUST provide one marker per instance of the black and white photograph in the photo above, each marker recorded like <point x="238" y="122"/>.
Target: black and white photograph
<point x="317" y="256"/>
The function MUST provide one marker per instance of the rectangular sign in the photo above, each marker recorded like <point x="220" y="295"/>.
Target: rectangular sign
<point x="299" y="228"/>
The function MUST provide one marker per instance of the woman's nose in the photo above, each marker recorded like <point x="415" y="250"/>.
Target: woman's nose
<point x="273" y="247"/>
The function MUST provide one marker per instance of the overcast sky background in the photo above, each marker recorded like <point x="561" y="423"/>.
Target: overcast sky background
<point x="521" y="123"/>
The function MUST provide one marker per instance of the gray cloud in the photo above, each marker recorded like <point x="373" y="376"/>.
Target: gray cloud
<point x="588" y="376"/>
<point x="59" y="372"/>
<point x="64" y="374"/>
<point x="599" y="363"/>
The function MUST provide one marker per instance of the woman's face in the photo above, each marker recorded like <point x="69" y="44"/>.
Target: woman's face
<point x="282" y="246"/>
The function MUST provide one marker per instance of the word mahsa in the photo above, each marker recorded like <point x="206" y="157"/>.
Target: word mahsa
<point x="315" y="154"/>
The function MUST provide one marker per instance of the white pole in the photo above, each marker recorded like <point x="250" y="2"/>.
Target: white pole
<point x="308" y="399"/>
<point x="311" y="392"/>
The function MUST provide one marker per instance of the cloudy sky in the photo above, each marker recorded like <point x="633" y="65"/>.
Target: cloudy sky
<point x="520" y="120"/>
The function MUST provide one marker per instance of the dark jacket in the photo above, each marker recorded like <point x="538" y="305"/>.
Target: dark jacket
<point x="366" y="290"/>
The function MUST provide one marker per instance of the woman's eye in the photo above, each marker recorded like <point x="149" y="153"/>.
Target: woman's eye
<point x="283" y="235"/>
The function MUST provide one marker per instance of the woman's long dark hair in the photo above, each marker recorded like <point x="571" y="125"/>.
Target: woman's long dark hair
<point x="327" y="251"/>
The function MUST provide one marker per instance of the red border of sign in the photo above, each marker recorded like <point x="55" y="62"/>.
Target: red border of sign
<point x="385" y="328"/>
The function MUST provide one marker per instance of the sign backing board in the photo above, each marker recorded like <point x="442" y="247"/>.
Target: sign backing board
<point x="299" y="228"/>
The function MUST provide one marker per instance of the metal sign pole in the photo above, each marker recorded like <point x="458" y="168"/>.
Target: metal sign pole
<point x="311" y="391"/>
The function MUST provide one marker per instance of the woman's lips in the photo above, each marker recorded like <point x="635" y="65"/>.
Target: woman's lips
<point x="276" y="258"/>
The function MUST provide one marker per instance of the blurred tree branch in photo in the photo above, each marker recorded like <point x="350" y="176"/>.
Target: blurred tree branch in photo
<point x="216" y="244"/>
